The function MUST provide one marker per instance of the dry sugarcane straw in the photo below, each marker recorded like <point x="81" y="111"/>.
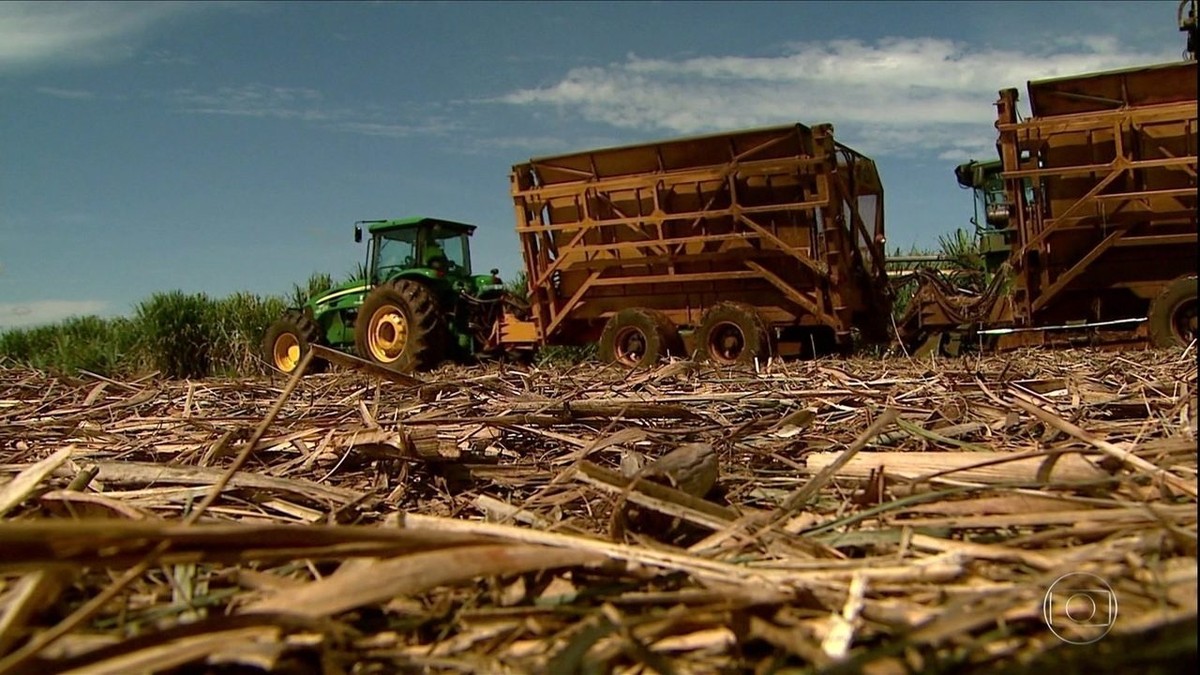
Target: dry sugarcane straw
<point x="947" y="501"/>
<point x="1187" y="486"/>
<point x="82" y="614"/>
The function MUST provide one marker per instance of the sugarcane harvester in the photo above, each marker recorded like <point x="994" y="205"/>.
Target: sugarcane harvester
<point x="1089" y="231"/>
<point x="1187" y="24"/>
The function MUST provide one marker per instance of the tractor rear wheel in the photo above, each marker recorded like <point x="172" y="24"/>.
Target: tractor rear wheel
<point x="732" y="333"/>
<point x="638" y="337"/>
<point x="398" y="327"/>
<point x="1173" y="314"/>
<point x="288" y="340"/>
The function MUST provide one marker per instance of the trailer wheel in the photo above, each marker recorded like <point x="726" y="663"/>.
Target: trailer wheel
<point x="638" y="337"/>
<point x="288" y="340"/>
<point x="398" y="326"/>
<point x="1173" y="314"/>
<point x="732" y="333"/>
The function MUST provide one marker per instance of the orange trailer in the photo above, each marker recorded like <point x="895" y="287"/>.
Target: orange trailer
<point x="730" y="247"/>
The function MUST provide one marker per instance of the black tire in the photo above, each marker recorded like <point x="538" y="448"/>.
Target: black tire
<point x="287" y="341"/>
<point x="1173" y="314"/>
<point x="420" y="341"/>
<point x="638" y="337"/>
<point x="732" y="334"/>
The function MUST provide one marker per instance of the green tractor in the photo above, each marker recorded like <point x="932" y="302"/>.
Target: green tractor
<point x="419" y="305"/>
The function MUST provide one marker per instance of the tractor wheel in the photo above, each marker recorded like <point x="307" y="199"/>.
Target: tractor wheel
<point x="1173" y="314"/>
<point x="288" y="340"/>
<point x="638" y="337"/>
<point x="732" y="333"/>
<point x="398" y="326"/>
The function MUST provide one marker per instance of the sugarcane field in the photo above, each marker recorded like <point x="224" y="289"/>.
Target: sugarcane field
<point x="863" y="515"/>
<point x="717" y="415"/>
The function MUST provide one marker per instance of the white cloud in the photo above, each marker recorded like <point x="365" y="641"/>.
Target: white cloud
<point x="539" y="145"/>
<point x="388" y="130"/>
<point x="897" y="95"/>
<point x="37" y="312"/>
<point x="166" y="57"/>
<point x="255" y="100"/>
<point x="535" y="146"/>
<point x="70" y="94"/>
<point x="34" y="34"/>
<point x="306" y="105"/>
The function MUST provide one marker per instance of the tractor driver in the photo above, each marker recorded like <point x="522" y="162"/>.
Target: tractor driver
<point x="435" y="255"/>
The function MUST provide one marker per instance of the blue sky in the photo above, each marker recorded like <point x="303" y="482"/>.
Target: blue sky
<point x="219" y="147"/>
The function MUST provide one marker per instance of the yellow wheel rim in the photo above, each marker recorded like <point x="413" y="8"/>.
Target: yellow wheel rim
<point x="387" y="334"/>
<point x="286" y="352"/>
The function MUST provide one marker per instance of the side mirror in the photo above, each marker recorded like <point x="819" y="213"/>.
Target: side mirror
<point x="357" y="233"/>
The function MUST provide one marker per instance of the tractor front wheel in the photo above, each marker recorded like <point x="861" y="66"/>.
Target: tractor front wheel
<point x="398" y="327"/>
<point x="288" y="340"/>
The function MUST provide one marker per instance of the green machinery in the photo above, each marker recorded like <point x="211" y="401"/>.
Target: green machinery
<point x="991" y="228"/>
<point x="420" y="303"/>
<point x="991" y="201"/>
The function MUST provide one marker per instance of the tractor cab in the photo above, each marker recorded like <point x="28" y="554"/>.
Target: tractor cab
<point x="438" y="250"/>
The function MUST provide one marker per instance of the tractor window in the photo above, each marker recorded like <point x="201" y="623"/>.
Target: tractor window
<point x="397" y="250"/>
<point x="451" y="245"/>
